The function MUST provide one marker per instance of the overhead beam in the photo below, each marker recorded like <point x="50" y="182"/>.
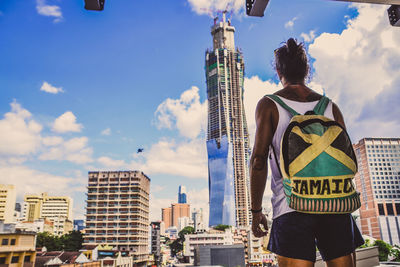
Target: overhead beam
<point x="257" y="7"/>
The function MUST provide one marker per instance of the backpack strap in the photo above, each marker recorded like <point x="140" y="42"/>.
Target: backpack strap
<point x="283" y="104"/>
<point x="321" y="106"/>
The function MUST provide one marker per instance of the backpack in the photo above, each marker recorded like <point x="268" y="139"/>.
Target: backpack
<point x="317" y="163"/>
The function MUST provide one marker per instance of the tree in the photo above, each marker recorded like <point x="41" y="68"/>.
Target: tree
<point x="384" y="249"/>
<point x="222" y="227"/>
<point x="68" y="242"/>
<point x="72" y="241"/>
<point x="177" y="245"/>
<point x="51" y="242"/>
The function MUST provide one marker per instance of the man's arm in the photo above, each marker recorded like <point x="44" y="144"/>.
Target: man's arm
<point x="266" y="121"/>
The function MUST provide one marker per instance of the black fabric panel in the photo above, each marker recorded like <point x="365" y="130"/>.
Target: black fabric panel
<point x="297" y="145"/>
<point x="343" y="143"/>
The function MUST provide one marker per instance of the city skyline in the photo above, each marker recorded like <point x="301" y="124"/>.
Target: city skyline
<point x="77" y="95"/>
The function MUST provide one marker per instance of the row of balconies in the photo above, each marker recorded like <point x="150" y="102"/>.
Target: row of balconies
<point x="138" y="225"/>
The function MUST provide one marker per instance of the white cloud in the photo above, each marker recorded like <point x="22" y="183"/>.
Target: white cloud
<point x="66" y="123"/>
<point x="75" y="150"/>
<point x="187" y="114"/>
<point x="186" y="158"/>
<point x="27" y="181"/>
<point x="209" y="7"/>
<point x="289" y="25"/>
<point x="49" y="10"/>
<point x="358" y="67"/>
<point x="254" y="90"/>
<point x="106" y="131"/>
<point x="48" y="88"/>
<point x="52" y="140"/>
<point x="308" y="37"/>
<point x="19" y="133"/>
<point x="110" y="163"/>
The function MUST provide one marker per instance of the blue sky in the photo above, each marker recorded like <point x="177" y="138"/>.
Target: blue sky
<point x="83" y="90"/>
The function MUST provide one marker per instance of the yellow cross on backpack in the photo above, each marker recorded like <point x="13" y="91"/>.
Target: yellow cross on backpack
<point x="317" y="163"/>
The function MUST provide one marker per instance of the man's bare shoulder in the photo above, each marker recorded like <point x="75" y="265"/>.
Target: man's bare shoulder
<point x="266" y="104"/>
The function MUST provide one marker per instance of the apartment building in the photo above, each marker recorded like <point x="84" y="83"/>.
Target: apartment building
<point x="117" y="212"/>
<point x="378" y="181"/>
<point x="57" y="209"/>
<point x="7" y="203"/>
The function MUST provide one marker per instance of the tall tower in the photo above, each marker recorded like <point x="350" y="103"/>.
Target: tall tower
<point x="182" y="194"/>
<point x="227" y="136"/>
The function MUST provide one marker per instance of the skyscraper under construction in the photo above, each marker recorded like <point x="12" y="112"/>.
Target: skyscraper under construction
<point x="227" y="136"/>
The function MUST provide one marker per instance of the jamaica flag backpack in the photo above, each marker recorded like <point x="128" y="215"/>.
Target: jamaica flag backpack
<point x="317" y="163"/>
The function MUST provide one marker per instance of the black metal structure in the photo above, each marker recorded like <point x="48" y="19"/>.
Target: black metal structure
<point x="97" y="5"/>
<point x="394" y="15"/>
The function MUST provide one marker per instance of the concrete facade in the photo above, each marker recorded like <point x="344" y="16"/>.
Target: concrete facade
<point x="117" y="212"/>
<point x="57" y="209"/>
<point x="17" y="249"/>
<point x="378" y="181"/>
<point x="7" y="203"/>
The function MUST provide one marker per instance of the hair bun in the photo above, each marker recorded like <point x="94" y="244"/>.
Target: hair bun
<point x="292" y="46"/>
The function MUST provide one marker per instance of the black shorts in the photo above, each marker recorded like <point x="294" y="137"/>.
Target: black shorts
<point x="296" y="235"/>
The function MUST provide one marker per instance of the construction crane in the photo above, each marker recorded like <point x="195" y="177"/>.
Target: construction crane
<point x="257" y="7"/>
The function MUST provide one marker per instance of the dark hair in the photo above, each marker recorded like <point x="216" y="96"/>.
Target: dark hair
<point x="291" y="61"/>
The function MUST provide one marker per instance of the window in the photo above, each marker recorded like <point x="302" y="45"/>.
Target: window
<point x="15" y="259"/>
<point x="4" y="242"/>
<point x="27" y="258"/>
<point x="12" y="242"/>
<point x="380" y="208"/>
<point x="2" y="260"/>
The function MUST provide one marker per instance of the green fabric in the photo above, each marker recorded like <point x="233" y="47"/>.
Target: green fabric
<point x="283" y="104"/>
<point x="320" y="108"/>
<point x="324" y="165"/>
<point x="314" y="128"/>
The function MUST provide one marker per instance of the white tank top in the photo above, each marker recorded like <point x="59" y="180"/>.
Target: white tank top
<point x="279" y="204"/>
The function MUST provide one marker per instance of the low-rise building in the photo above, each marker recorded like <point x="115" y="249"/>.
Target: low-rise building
<point x="223" y="255"/>
<point x="38" y="226"/>
<point x="210" y="238"/>
<point x="17" y="249"/>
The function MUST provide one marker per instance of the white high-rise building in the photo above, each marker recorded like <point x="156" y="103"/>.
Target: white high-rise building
<point x="7" y="203"/>
<point x="57" y="209"/>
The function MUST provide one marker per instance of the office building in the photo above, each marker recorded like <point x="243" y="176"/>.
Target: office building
<point x="227" y="135"/>
<point x="170" y="216"/>
<point x="117" y="212"/>
<point x="57" y="209"/>
<point x="197" y="219"/>
<point x="182" y="195"/>
<point x="210" y="238"/>
<point x="378" y="181"/>
<point x="7" y="203"/>
<point x="166" y="216"/>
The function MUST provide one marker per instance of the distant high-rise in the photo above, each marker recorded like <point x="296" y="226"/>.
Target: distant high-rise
<point x="58" y="209"/>
<point x="378" y="180"/>
<point x="170" y="216"/>
<point x="182" y="195"/>
<point x="117" y="212"/>
<point x="7" y="203"/>
<point x="227" y="135"/>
